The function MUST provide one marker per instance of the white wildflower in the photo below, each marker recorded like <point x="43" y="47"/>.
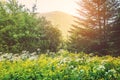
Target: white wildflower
<point x="101" y="67"/>
<point x="112" y="71"/>
<point x="33" y="57"/>
<point x="81" y="71"/>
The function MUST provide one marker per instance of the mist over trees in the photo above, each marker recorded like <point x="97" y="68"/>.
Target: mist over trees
<point x="50" y="37"/>
<point x="94" y="26"/>
<point x="96" y="29"/>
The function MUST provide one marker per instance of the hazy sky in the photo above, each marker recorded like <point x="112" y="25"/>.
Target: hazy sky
<point x="68" y="6"/>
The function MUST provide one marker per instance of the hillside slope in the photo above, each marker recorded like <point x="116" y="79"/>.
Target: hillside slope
<point x="60" y="19"/>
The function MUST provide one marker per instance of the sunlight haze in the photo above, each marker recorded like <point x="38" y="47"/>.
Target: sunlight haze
<point x="43" y="6"/>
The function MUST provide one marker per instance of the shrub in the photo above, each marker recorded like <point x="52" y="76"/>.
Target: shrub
<point x="21" y="30"/>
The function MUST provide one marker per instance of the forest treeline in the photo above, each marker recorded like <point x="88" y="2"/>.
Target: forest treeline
<point x="97" y="29"/>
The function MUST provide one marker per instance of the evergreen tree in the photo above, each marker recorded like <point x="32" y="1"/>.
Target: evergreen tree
<point x="92" y="25"/>
<point x="115" y="33"/>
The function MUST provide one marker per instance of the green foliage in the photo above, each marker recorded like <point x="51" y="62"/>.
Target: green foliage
<point x="50" y="37"/>
<point x="62" y="66"/>
<point x="16" y="28"/>
<point x="21" y="30"/>
<point x="78" y="43"/>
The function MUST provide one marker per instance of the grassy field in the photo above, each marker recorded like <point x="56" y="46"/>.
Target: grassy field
<point x="61" y="66"/>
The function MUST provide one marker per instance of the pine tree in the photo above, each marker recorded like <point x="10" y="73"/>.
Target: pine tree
<point x="115" y="33"/>
<point x="92" y="25"/>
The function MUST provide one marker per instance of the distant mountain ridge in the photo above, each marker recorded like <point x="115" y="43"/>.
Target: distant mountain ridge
<point x="61" y="19"/>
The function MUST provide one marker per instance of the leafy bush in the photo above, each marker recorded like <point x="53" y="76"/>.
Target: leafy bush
<point x="17" y="28"/>
<point x="62" y="66"/>
<point x="21" y="30"/>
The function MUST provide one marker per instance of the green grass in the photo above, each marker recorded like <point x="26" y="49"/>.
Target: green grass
<point x="62" y="66"/>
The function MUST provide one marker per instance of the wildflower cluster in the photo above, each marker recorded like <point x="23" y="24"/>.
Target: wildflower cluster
<point x="59" y="66"/>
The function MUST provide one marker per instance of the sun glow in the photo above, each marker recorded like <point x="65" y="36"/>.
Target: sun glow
<point x="61" y="19"/>
<point x="68" y="6"/>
